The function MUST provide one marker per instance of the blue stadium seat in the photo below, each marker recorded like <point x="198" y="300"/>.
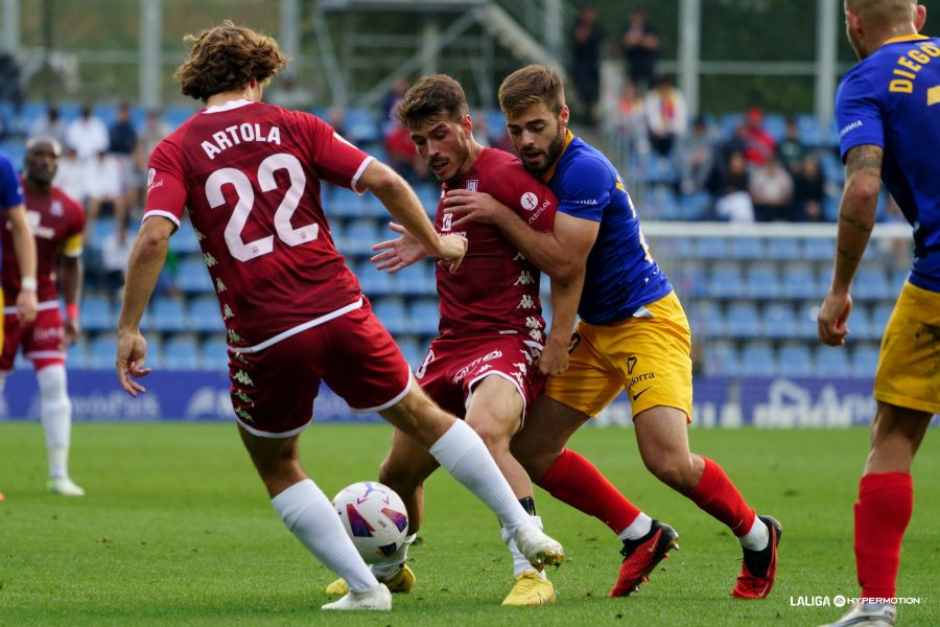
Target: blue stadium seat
<point x="707" y="319"/>
<point x="776" y="125"/>
<point x="871" y="284"/>
<point x="339" y="202"/>
<point x="411" y="351"/>
<point x="757" y="359"/>
<point x="430" y="196"/>
<point x="424" y="317"/>
<point x="359" y="237"/>
<point x="391" y="313"/>
<point x="373" y="281"/>
<point x="746" y="248"/>
<point x="78" y="355"/>
<point x="832" y="362"/>
<point x="897" y="280"/>
<point x="806" y="326"/>
<point x="879" y="318"/>
<point x="712" y="248"/>
<point x="181" y="353"/>
<point x="726" y="281"/>
<point x="783" y="249"/>
<point x="819" y="249"/>
<point x="799" y="281"/>
<point x="193" y="277"/>
<point x="97" y="314"/>
<point x="214" y="353"/>
<point x="167" y="315"/>
<point x="865" y="360"/>
<point x="695" y="206"/>
<point x="721" y="359"/>
<point x="780" y="321"/>
<point x="184" y="240"/>
<point x="795" y="360"/>
<point x="204" y="315"/>
<point x="762" y="281"/>
<point x="177" y="114"/>
<point x="102" y="351"/>
<point x="361" y="126"/>
<point x="809" y="131"/>
<point x="414" y="279"/>
<point x="743" y="321"/>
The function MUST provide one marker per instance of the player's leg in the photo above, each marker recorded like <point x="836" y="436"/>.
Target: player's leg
<point x="571" y="399"/>
<point x="404" y="470"/>
<point x="495" y="411"/>
<point x="55" y="412"/>
<point x="309" y="514"/>
<point x="372" y="376"/>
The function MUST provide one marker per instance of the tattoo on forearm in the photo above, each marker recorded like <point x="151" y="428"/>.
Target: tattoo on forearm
<point x="863" y="158"/>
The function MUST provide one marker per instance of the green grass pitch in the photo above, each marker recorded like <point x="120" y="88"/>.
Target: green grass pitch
<point x="176" y="529"/>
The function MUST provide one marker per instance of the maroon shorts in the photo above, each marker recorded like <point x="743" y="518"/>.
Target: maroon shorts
<point x="453" y="366"/>
<point x="273" y="390"/>
<point x="42" y="340"/>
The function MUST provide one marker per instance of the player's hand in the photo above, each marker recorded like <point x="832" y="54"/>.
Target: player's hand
<point x="554" y="358"/>
<point x="394" y="254"/>
<point x="72" y="331"/>
<point x="832" y="318"/>
<point x="26" y="306"/>
<point x="470" y="206"/>
<point x="451" y="250"/>
<point x="132" y="349"/>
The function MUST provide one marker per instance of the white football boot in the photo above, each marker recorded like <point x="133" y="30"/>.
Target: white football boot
<point x="868" y="615"/>
<point x="65" y="487"/>
<point x="375" y="599"/>
<point x="539" y="549"/>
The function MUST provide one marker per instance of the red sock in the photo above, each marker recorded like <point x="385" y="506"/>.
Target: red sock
<point x="717" y="495"/>
<point x="577" y="482"/>
<point x="885" y="503"/>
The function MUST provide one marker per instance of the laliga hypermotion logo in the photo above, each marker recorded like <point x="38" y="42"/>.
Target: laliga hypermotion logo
<point x="529" y="201"/>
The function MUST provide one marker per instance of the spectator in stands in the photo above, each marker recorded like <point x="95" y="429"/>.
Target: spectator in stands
<point x="640" y="49"/>
<point x="665" y="115"/>
<point x="586" y="61"/>
<point x="696" y="157"/>
<point x="122" y="140"/>
<point x="402" y="154"/>
<point x="730" y="185"/>
<point x="791" y="151"/>
<point x="11" y="87"/>
<point x="115" y="252"/>
<point x="759" y="145"/>
<point x="809" y="191"/>
<point x="771" y="191"/>
<point x="87" y="135"/>
<point x="629" y="121"/>
<point x="50" y="125"/>
<point x="155" y="129"/>
<point x="391" y="100"/>
<point x="104" y="186"/>
<point x="71" y="176"/>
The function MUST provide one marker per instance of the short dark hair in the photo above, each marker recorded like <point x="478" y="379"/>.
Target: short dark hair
<point x="437" y="94"/>
<point x="532" y="85"/>
<point x="227" y="57"/>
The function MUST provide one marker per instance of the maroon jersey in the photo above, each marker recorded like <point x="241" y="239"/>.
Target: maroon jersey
<point x="249" y="174"/>
<point x="495" y="289"/>
<point x="57" y="223"/>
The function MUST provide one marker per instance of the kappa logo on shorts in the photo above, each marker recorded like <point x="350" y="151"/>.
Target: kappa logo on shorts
<point x="242" y="377"/>
<point x="631" y="363"/>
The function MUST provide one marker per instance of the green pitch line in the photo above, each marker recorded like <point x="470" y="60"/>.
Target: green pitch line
<point x="176" y="529"/>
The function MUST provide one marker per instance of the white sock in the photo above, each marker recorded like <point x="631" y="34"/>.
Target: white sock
<point x="758" y="537"/>
<point x="520" y="563"/>
<point x="640" y="526"/>
<point x="55" y="412"/>
<point x="310" y="516"/>
<point x="388" y="568"/>
<point x="463" y="454"/>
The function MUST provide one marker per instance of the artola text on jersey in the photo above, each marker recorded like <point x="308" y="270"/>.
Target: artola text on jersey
<point x="236" y="134"/>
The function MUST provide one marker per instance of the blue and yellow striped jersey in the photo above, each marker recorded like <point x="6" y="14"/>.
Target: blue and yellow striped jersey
<point x="621" y="274"/>
<point x="892" y="100"/>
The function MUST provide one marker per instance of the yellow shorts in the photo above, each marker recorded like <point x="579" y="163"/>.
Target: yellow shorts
<point x="909" y="364"/>
<point x="649" y="355"/>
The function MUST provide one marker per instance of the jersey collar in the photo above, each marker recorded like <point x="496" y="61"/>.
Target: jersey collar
<point x="903" y="38"/>
<point x="569" y="137"/>
<point x="228" y="106"/>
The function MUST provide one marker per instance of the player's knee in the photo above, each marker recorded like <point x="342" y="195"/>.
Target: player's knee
<point x="494" y="430"/>
<point x="399" y="476"/>
<point x="674" y="469"/>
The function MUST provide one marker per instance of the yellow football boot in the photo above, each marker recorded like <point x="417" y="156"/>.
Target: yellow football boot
<point x="400" y="583"/>
<point x="530" y="590"/>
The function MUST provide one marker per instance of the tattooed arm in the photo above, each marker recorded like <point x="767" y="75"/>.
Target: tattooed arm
<point x="856" y="221"/>
<point x="857" y="212"/>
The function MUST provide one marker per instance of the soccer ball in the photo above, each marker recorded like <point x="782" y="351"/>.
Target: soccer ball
<point x="374" y="517"/>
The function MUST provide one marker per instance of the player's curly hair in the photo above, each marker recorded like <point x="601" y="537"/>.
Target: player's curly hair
<point x="532" y="85"/>
<point x="225" y="58"/>
<point x="437" y="94"/>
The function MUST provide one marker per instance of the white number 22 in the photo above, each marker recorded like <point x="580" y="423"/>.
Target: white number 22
<point x="240" y="249"/>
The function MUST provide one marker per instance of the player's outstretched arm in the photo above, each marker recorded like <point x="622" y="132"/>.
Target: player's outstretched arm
<point x="402" y="202"/>
<point x="856" y="221"/>
<point x="143" y="269"/>
<point x="24" y="247"/>
<point x="559" y="253"/>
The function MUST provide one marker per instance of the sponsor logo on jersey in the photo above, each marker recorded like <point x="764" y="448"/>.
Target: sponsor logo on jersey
<point x="850" y="127"/>
<point x="56" y="208"/>
<point x="529" y="201"/>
